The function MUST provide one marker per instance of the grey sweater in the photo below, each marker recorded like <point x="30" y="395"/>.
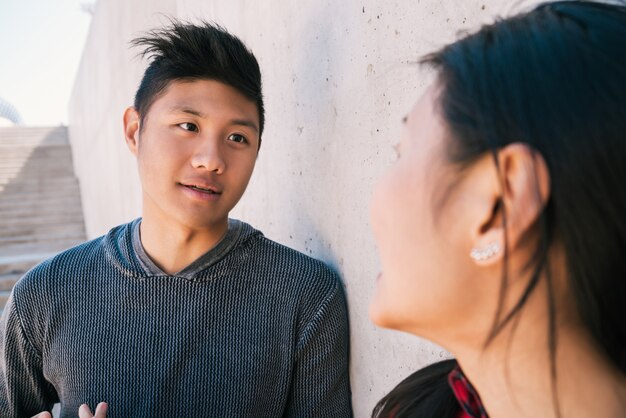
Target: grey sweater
<point x="250" y="329"/>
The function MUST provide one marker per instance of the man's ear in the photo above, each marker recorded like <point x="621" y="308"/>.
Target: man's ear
<point x="131" y="129"/>
<point x="512" y="197"/>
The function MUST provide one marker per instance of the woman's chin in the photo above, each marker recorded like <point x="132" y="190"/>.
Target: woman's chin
<point x="381" y="316"/>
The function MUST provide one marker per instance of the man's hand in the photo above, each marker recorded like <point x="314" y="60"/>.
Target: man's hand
<point x="85" y="412"/>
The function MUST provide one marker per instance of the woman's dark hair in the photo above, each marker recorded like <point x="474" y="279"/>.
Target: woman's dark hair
<point x="424" y="394"/>
<point x="185" y="51"/>
<point x="554" y="79"/>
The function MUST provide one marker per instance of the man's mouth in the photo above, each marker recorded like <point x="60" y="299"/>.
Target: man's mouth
<point x="203" y="189"/>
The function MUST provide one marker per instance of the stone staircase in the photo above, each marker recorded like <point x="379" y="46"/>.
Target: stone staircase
<point x="40" y="207"/>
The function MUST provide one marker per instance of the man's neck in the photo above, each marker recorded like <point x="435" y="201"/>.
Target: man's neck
<point x="173" y="246"/>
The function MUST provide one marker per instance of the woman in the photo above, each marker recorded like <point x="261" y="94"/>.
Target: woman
<point x="501" y="226"/>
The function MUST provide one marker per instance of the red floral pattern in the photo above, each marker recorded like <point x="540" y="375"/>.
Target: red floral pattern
<point x="471" y="405"/>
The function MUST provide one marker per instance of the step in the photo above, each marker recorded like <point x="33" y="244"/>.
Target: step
<point x="32" y="136"/>
<point x="22" y="153"/>
<point x="10" y="203"/>
<point x="72" y="227"/>
<point x="7" y="281"/>
<point x="33" y="172"/>
<point x="16" y="177"/>
<point x="33" y="195"/>
<point x="10" y="206"/>
<point x="39" y="205"/>
<point x="21" y="219"/>
<point x="37" y="179"/>
<point x="37" y="162"/>
<point x="34" y="205"/>
<point x="40" y="214"/>
<point x="21" y="144"/>
<point x="38" y="191"/>
<point x="33" y="142"/>
<point x="41" y="239"/>
<point x="21" y="130"/>
<point x="47" y="181"/>
<point x="53" y="245"/>
<point x="21" y="263"/>
<point x="33" y="198"/>
<point x="34" y="166"/>
<point x="10" y="157"/>
<point x="43" y="249"/>
<point x="4" y="297"/>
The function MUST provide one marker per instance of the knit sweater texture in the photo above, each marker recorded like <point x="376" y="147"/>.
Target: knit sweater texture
<point x="250" y="329"/>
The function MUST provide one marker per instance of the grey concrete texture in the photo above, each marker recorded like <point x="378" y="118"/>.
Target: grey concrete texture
<point x="338" y="78"/>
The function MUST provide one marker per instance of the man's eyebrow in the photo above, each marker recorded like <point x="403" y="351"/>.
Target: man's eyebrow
<point x="185" y="109"/>
<point x="245" y="122"/>
<point x="241" y="122"/>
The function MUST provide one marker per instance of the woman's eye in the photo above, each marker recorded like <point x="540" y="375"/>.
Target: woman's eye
<point x="396" y="150"/>
<point x="237" y="138"/>
<point x="188" y="126"/>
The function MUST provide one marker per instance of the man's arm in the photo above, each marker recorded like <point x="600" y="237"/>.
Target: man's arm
<point x="23" y="389"/>
<point x="321" y="382"/>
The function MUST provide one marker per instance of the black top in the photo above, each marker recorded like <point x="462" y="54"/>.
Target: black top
<point x="250" y="329"/>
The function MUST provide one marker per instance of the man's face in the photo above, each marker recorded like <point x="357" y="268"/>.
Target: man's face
<point x="196" y="152"/>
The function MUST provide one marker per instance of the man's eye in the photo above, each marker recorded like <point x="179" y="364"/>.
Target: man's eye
<point x="237" y="138"/>
<point x="188" y="126"/>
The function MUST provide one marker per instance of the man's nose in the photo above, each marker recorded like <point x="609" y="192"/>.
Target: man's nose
<point x="208" y="156"/>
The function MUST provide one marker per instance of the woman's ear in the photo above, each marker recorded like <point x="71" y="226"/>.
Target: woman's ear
<point x="509" y="200"/>
<point x="131" y="129"/>
<point x="525" y="183"/>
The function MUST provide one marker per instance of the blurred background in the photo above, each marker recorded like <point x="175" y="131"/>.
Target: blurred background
<point x="41" y="43"/>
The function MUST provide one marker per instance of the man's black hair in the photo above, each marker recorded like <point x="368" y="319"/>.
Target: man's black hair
<point x="185" y="51"/>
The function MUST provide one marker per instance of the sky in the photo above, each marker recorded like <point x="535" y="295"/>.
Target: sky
<point x="41" y="43"/>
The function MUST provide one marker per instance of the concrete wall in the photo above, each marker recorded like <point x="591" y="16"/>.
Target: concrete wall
<point x="338" y="77"/>
<point x="105" y="85"/>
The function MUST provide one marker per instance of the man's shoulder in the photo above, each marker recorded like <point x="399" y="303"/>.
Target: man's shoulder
<point x="64" y="262"/>
<point x="284" y="254"/>
<point x="280" y="260"/>
<point x="60" y="268"/>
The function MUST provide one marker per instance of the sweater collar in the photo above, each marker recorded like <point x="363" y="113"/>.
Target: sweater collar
<point x="123" y="247"/>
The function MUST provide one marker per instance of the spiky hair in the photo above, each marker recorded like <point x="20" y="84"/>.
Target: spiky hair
<point x="185" y="51"/>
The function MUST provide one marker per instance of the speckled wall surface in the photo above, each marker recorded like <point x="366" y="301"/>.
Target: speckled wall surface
<point x="338" y="78"/>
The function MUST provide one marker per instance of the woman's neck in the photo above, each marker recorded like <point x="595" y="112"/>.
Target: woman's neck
<point x="514" y="378"/>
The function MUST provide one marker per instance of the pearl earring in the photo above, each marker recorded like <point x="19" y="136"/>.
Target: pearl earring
<point x="485" y="253"/>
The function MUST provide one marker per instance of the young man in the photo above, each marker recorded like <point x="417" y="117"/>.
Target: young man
<point x="183" y="312"/>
